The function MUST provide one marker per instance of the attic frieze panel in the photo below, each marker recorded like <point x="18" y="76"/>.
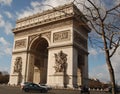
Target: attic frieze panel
<point x="41" y="18"/>
<point x="43" y="28"/>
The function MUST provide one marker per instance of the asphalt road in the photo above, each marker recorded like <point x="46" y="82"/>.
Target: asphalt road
<point x="16" y="90"/>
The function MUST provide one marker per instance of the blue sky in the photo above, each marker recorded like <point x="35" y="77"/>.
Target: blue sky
<point x="11" y="10"/>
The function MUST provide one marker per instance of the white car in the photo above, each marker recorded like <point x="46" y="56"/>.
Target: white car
<point x="45" y="86"/>
<point x="23" y="84"/>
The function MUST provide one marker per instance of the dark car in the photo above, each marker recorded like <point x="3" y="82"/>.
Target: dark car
<point x="34" y="87"/>
<point x="85" y="90"/>
<point x="117" y="89"/>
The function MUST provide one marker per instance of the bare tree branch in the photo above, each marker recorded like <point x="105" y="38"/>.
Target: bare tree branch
<point x="115" y="48"/>
<point x="112" y="9"/>
<point x="97" y="10"/>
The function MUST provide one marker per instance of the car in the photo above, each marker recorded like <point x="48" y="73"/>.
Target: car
<point x="117" y="89"/>
<point x="34" y="87"/>
<point x="23" y="84"/>
<point x="85" y="90"/>
<point x="45" y="86"/>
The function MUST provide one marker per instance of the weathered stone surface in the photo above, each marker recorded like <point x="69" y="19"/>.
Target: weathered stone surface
<point x="52" y="47"/>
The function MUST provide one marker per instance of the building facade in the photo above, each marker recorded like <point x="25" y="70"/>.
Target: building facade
<point x="51" y="48"/>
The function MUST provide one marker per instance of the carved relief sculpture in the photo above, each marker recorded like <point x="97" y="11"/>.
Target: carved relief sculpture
<point x="32" y="37"/>
<point x="18" y="65"/>
<point x="48" y="35"/>
<point x="61" y="36"/>
<point x="20" y="43"/>
<point x="60" y="62"/>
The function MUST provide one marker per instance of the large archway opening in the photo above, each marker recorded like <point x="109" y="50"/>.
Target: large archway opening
<point x="40" y="52"/>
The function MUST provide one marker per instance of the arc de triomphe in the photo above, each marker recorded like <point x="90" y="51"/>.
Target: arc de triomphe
<point x="51" y="48"/>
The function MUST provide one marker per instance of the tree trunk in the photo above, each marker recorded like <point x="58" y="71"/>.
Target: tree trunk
<point x="110" y="68"/>
<point x="112" y="76"/>
<point x="108" y="61"/>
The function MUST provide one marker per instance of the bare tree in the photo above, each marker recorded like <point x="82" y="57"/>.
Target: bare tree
<point x="105" y="22"/>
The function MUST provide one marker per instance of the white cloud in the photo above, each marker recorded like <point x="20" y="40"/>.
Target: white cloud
<point x="35" y="4"/>
<point x="24" y="13"/>
<point x="3" y="41"/>
<point x="40" y="6"/>
<point x="101" y="72"/>
<point x="116" y="64"/>
<point x="8" y="28"/>
<point x="117" y="2"/>
<point x="8" y="14"/>
<point x="93" y="51"/>
<point x="8" y="51"/>
<point x="29" y="10"/>
<point x="55" y="3"/>
<point x="6" y="2"/>
<point x="5" y="51"/>
<point x="48" y="4"/>
<point x="5" y="47"/>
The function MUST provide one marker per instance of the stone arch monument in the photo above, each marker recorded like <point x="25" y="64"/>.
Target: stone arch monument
<point x="51" y="48"/>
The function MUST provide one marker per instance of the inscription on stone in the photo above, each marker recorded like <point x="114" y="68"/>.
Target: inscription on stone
<point x="40" y="18"/>
<point x="61" y="36"/>
<point x="20" y="43"/>
<point x="43" y="28"/>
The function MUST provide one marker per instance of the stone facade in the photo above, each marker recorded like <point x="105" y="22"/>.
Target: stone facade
<point x="51" y="48"/>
